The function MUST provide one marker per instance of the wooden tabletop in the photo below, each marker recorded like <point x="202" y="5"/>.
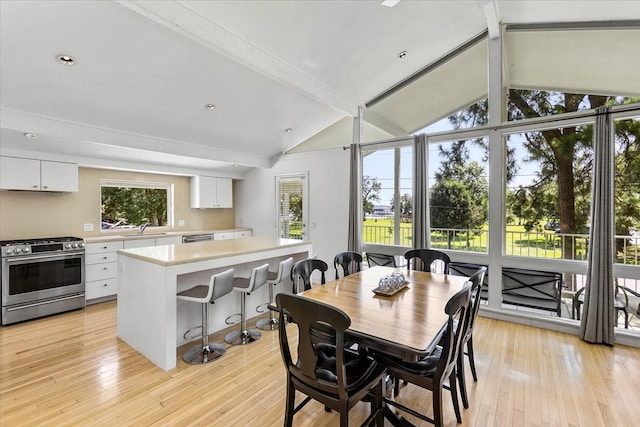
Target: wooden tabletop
<point x="406" y="324"/>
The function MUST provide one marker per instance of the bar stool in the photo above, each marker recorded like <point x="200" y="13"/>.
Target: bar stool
<point x="220" y="285"/>
<point x="274" y="278"/>
<point x="245" y="286"/>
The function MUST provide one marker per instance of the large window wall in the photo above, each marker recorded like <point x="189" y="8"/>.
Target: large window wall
<point x="522" y="184"/>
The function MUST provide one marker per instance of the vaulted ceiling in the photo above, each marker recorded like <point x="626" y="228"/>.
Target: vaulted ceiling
<point x="281" y="74"/>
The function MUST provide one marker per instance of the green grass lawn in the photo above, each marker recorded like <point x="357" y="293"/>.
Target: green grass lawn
<point x="518" y="241"/>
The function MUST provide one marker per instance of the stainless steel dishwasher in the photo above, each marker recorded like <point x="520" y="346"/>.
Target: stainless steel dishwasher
<point x="197" y="238"/>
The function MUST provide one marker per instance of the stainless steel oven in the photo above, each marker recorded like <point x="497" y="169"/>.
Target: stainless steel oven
<point x="41" y="277"/>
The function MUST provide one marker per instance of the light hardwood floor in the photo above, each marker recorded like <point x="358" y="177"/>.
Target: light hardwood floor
<point x="71" y="369"/>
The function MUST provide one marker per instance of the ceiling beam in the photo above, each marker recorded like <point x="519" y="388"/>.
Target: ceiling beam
<point x="43" y="125"/>
<point x="492" y="16"/>
<point x="384" y="124"/>
<point x="179" y="18"/>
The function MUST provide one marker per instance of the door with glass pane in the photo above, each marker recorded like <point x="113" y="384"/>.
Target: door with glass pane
<point x="292" y="205"/>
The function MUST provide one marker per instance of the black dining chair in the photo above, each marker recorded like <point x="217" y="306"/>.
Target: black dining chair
<point x="468" y="269"/>
<point x="326" y="372"/>
<point x="349" y="262"/>
<point x="476" y="282"/>
<point x="422" y="259"/>
<point x="304" y="269"/>
<point x="431" y="372"/>
<point x="384" y="260"/>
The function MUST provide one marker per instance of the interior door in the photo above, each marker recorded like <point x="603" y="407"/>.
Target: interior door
<point x="292" y="206"/>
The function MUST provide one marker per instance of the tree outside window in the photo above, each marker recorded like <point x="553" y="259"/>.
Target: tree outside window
<point x="129" y="205"/>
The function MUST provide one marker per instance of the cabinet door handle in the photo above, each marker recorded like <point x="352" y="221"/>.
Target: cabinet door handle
<point x="105" y="268"/>
<point x="105" y="284"/>
<point x="104" y="257"/>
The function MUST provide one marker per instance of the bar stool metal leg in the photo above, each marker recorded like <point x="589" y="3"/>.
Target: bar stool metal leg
<point x="244" y="335"/>
<point x="270" y="324"/>
<point x="205" y="352"/>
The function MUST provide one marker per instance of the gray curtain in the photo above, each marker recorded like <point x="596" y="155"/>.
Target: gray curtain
<point x="420" y="191"/>
<point x="354" y="242"/>
<point x="598" y="318"/>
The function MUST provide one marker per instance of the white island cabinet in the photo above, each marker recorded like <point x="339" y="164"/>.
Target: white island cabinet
<point x="150" y="317"/>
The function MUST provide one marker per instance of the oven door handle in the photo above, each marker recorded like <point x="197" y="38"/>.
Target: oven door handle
<point x="44" y="257"/>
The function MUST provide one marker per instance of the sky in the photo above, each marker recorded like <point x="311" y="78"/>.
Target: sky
<point x="380" y="164"/>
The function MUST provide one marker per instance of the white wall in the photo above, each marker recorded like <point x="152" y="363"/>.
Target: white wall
<point x="328" y="199"/>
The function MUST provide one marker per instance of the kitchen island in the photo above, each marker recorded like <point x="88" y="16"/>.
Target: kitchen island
<point x="153" y="321"/>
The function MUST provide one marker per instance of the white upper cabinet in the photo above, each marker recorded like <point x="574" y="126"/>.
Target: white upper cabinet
<point x="224" y="187"/>
<point x="37" y="175"/>
<point x="58" y="176"/>
<point x="211" y="192"/>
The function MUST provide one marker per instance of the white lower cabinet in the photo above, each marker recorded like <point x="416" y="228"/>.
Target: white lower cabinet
<point x="101" y="270"/>
<point x="101" y="261"/>
<point x="223" y="236"/>
<point x="139" y="243"/>
<point x="172" y="240"/>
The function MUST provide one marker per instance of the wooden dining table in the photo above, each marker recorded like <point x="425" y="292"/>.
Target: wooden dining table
<point x="407" y="324"/>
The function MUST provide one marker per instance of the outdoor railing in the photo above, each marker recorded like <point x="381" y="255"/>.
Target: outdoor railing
<point x="517" y="243"/>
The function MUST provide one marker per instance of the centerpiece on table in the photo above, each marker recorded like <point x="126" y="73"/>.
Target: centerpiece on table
<point x="391" y="284"/>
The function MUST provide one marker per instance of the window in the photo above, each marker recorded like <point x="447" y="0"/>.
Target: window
<point x="459" y="195"/>
<point x="627" y="191"/>
<point x="387" y="178"/>
<point x="548" y="192"/>
<point x="128" y="205"/>
<point x="292" y="205"/>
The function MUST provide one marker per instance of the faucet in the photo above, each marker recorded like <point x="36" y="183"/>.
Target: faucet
<point x="143" y="226"/>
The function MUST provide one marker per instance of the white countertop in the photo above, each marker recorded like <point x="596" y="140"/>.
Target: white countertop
<point x="151" y="235"/>
<point x="168" y="255"/>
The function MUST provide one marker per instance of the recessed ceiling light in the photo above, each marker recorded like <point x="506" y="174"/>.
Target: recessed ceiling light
<point x="66" y="59"/>
<point x="210" y="107"/>
<point x="288" y="130"/>
<point x="389" y="3"/>
<point x="402" y="54"/>
<point x="30" y="135"/>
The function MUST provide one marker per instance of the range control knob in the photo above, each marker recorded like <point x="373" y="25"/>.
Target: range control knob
<point x="75" y="245"/>
<point x="17" y="250"/>
<point x="27" y="249"/>
<point x="68" y="245"/>
<point x="8" y="251"/>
